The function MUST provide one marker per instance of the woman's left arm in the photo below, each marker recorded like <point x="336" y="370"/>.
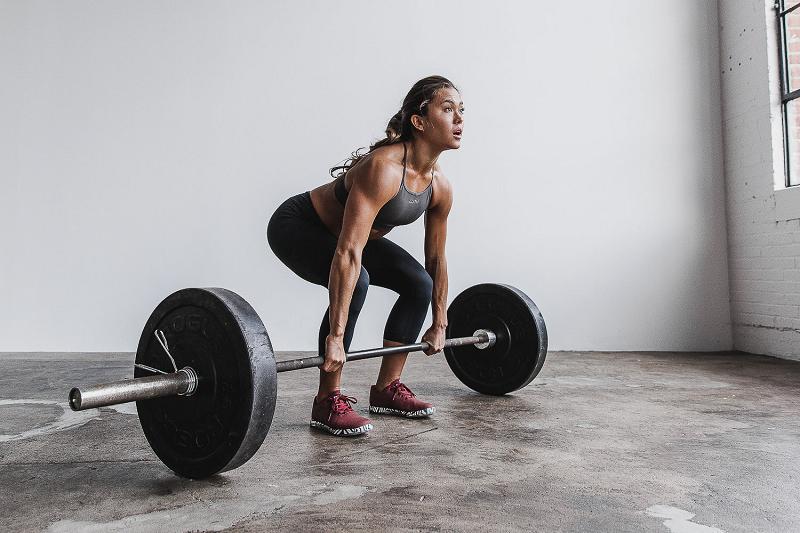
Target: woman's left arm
<point x="436" y="262"/>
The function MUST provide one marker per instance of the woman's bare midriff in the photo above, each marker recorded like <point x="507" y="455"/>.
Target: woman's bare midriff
<point x="331" y="212"/>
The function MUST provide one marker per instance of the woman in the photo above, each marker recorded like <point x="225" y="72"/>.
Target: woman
<point x="334" y="236"/>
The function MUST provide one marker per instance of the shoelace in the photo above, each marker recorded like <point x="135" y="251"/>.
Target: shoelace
<point x="400" y="389"/>
<point x="342" y="404"/>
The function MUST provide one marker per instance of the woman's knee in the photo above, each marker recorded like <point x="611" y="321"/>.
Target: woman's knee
<point x="273" y="235"/>
<point x="362" y="286"/>
<point x="421" y="287"/>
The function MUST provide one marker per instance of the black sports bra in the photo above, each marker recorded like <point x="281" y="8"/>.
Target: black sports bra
<point x="404" y="208"/>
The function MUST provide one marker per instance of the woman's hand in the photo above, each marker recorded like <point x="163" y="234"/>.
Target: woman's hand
<point x="435" y="338"/>
<point x="335" y="355"/>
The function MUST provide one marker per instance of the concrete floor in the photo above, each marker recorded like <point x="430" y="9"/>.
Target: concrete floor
<point x="598" y="442"/>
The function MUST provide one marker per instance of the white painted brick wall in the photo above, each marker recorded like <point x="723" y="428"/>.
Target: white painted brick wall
<point x="764" y="253"/>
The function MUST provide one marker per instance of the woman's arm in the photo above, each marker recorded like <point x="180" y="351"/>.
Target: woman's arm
<point x="369" y="191"/>
<point x="435" y="259"/>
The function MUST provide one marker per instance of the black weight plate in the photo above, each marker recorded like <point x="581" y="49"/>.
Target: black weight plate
<point x="521" y="347"/>
<point x="224" y="422"/>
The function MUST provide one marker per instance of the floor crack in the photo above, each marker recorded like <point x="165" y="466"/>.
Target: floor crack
<point x="393" y="441"/>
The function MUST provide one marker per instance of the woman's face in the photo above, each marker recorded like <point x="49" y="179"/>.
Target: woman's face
<point x="444" y="122"/>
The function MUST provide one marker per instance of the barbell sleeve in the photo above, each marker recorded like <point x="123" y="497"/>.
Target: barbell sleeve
<point x="180" y="383"/>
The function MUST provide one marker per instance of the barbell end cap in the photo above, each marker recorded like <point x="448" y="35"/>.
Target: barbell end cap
<point x="75" y="399"/>
<point x="491" y="338"/>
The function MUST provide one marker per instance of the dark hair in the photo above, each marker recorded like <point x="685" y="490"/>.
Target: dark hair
<point x="400" y="128"/>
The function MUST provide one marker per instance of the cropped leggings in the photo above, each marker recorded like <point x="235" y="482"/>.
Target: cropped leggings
<point x="303" y="243"/>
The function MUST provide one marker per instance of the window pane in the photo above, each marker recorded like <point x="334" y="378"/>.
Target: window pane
<point x="789" y="3"/>
<point x="793" y="49"/>
<point x="793" y="140"/>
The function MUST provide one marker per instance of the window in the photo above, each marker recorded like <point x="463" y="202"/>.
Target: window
<point x="788" y="12"/>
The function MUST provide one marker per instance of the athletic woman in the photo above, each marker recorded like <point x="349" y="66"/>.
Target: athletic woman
<point x="334" y="236"/>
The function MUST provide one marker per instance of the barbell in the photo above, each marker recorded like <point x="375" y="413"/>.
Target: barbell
<point x="213" y="410"/>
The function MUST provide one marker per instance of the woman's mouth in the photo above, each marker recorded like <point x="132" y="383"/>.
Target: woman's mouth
<point x="457" y="134"/>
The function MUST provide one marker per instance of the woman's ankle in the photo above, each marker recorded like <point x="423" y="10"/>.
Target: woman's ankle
<point x="326" y="392"/>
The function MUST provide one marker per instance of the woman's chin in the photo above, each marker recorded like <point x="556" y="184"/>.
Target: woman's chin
<point x="451" y="144"/>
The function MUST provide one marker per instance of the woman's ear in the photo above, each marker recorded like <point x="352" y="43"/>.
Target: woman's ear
<point x="417" y="122"/>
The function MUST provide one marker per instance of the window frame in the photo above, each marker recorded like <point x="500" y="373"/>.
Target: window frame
<point x="786" y="96"/>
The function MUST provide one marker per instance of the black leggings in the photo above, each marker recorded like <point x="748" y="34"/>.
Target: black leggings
<point x="302" y="242"/>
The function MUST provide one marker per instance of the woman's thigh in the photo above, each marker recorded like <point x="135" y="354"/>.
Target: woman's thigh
<point x="303" y="245"/>
<point x="392" y="267"/>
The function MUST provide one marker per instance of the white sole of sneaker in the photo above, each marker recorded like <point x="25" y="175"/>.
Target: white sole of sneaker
<point x="422" y="413"/>
<point x="349" y="432"/>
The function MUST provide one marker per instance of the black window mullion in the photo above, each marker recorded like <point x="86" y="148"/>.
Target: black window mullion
<point x="784" y="59"/>
<point x="787" y="95"/>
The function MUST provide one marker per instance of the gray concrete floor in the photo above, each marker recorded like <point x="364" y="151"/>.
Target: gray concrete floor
<point x="598" y="442"/>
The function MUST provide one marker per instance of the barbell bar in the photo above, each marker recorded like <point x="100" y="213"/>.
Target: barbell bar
<point x="185" y="381"/>
<point x="481" y="339"/>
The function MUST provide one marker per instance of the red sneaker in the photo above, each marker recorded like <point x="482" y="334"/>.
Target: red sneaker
<point x="335" y="415"/>
<point x="397" y="399"/>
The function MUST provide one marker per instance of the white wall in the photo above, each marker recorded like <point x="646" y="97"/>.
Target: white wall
<point x="763" y="225"/>
<point x="143" y="146"/>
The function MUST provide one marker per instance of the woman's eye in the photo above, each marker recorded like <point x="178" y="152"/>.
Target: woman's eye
<point x="448" y="108"/>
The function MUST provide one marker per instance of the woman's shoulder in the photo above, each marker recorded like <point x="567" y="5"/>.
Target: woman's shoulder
<point x="382" y="163"/>
<point x="378" y="172"/>
<point x="442" y="190"/>
<point x="389" y="153"/>
<point x="439" y="177"/>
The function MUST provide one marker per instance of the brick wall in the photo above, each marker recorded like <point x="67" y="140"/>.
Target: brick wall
<point x="764" y="252"/>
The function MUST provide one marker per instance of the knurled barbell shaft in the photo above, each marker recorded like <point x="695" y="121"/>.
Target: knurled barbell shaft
<point x="308" y="362"/>
<point x="182" y="382"/>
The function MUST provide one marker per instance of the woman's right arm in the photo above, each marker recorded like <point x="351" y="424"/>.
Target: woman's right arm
<point x="372" y="186"/>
